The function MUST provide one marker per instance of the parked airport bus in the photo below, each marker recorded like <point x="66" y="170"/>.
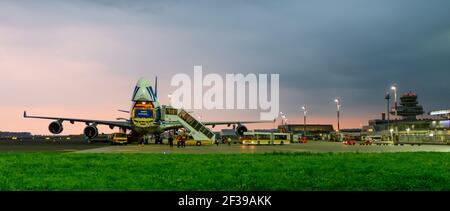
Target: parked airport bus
<point x="264" y="138"/>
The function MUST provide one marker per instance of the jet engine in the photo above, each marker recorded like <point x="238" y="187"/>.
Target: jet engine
<point x="91" y="131"/>
<point x="241" y="129"/>
<point x="55" y="127"/>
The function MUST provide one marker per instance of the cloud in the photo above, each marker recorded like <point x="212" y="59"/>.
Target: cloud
<point x="322" y="49"/>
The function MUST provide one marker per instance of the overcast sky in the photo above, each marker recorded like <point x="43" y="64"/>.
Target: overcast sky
<point x="82" y="58"/>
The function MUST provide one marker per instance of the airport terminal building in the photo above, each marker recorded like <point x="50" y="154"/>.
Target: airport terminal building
<point x="317" y="131"/>
<point x="407" y="127"/>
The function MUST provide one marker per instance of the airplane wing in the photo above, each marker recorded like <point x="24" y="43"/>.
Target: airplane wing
<point x="121" y="124"/>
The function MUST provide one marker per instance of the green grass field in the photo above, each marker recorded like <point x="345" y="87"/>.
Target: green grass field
<point x="347" y="171"/>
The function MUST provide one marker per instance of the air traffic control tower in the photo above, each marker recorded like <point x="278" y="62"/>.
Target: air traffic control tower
<point x="409" y="107"/>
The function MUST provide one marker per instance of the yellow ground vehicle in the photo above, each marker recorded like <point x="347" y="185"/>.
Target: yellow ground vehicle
<point x="119" y="138"/>
<point x="262" y="138"/>
<point x="189" y="141"/>
<point x="281" y="138"/>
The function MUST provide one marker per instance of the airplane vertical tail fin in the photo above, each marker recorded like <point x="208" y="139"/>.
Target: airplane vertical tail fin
<point x="156" y="86"/>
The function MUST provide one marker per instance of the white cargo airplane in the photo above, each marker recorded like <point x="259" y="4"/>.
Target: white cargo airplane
<point x="145" y="117"/>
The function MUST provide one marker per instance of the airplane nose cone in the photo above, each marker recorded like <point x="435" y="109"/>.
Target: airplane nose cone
<point x="142" y="82"/>
<point x="143" y="91"/>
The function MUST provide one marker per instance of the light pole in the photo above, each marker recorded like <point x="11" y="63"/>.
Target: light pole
<point x="338" y="106"/>
<point x="394" y="88"/>
<point x="304" y="120"/>
<point x="388" y="98"/>
<point x="283" y="118"/>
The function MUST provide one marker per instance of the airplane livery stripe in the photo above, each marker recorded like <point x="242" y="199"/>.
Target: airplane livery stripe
<point x="136" y="89"/>
<point x="150" y="90"/>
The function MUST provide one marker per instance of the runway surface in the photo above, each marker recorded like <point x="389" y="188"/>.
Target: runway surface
<point x="43" y="145"/>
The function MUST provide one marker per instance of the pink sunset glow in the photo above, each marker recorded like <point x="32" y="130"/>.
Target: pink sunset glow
<point x="83" y="60"/>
